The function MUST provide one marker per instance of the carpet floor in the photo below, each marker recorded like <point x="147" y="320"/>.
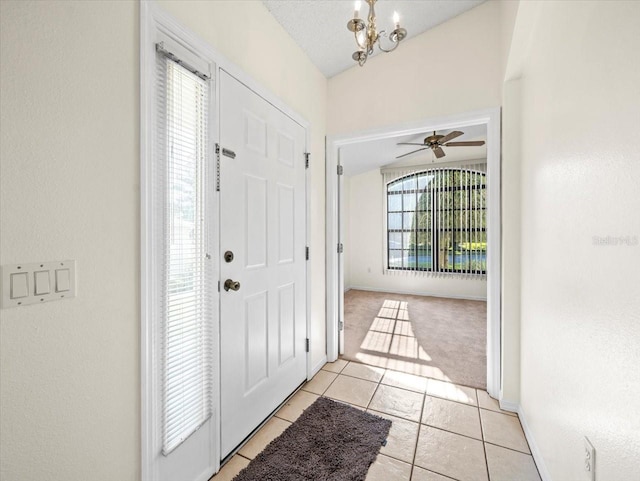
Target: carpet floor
<point x="330" y="441"/>
<point x="428" y="336"/>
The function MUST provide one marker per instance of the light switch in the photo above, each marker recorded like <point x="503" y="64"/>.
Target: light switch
<point x="63" y="281"/>
<point x="37" y="282"/>
<point x="19" y="285"/>
<point x="42" y="282"/>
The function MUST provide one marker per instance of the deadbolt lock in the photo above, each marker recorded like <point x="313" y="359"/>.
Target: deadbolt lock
<point x="228" y="256"/>
<point x="230" y="284"/>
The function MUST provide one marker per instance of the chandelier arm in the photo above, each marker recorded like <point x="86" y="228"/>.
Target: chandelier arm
<point x="395" y="46"/>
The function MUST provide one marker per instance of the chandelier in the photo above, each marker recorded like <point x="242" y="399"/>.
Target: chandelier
<point x="367" y="35"/>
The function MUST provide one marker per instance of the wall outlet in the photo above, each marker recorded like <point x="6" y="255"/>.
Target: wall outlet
<point x="589" y="460"/>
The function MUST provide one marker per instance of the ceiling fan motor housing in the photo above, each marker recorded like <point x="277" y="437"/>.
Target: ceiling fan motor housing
<point x="433" y="140"/>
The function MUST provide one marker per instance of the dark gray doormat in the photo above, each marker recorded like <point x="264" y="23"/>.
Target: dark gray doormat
<point x="330" y="441"/>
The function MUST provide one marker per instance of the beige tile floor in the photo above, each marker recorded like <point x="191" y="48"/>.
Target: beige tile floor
<point x="440" y="431"/>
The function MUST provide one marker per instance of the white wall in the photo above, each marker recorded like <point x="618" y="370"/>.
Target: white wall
<point x="580" y="302"/>
<point x="366" y="255"/>
<point x="69" y="374"/>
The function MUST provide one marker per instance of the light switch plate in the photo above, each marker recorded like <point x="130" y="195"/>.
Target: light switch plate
<point x="31" y="269"/>
<point x="589" y="460"/>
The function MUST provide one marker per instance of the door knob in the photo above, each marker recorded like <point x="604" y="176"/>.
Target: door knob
<point x="231" y="284"/>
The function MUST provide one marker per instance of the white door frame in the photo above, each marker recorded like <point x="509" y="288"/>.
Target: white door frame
<point x="488" y="117"/>
<point x="153" y="18"/>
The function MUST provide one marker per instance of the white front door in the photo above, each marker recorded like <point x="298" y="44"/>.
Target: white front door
<point x="263" y="214"/>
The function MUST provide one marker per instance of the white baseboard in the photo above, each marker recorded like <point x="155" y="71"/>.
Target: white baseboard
<point x="347" y="289"/>
<point x="535" y="451"/>
<point x="430" y="294"/>
<point x="510" y="406"/>
<point x="318" y="366"/>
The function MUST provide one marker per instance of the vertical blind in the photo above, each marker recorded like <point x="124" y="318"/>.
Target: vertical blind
<point x="436" y="220"/>
<point x="185" y="286"/>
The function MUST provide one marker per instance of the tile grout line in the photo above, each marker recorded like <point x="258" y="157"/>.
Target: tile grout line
<point x="420" y="423"/>
<point x="361" y="378"/>
<point x="484" y="444"/>
<point x="373" y="395"/>
<point x="334" y="379"/>
<point x="510" y="449"/>
<point x="415" y="448"/>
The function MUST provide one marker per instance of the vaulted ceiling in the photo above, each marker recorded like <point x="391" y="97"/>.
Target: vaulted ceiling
<point x="319" y="27"/>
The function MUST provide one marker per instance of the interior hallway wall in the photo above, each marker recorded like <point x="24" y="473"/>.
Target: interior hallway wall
<point x="69" y="76"/>
<point x="579" y="102"/>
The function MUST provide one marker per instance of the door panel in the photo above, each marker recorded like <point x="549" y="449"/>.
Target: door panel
<point x="263" y="216"/>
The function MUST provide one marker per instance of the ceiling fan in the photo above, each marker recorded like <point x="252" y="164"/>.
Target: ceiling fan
<point x="436" y="142"/>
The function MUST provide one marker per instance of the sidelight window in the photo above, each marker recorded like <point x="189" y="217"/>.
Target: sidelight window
<point x="184" y="284"/>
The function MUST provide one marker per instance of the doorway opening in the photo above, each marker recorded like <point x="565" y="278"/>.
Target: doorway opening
<point x="429" y="225"/>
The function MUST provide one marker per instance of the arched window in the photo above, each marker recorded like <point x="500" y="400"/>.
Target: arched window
<point x="436" y="221"/>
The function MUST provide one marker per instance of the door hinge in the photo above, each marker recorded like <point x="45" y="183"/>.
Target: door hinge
<point x="307" y="253"/>
<point x="340" y="248"/>
<point x="307" y="345"/>
<point x="218" y="286"/>
<point x="306" y="160"/>
<point x="218" y="169"/>
<point x="340" y="325"/>
<point x="340" y="170"/>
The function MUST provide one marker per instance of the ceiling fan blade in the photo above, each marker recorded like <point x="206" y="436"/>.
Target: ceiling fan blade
<point x="409" y="143"/>
<point x="468" y="143"/>
<point x="450" y="136"/>
<point x="439" y="152"/>
<point x="412" y="152"/>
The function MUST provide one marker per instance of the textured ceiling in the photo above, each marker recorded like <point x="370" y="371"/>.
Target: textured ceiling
<point x="320" y="26"/>
<point x="365" y="156"/>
